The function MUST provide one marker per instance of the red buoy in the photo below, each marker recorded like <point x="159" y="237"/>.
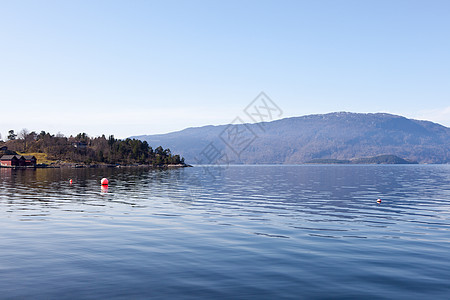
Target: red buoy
<point x="70" y="181"/>
<point x="104" y="181"/>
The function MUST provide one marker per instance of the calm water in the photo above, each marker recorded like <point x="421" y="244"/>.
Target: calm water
<point x="244" y="232"/>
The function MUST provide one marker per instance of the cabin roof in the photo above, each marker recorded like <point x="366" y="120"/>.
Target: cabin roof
<point x="8" y="157"/>
<point x="28" y="157"/>
<point x="11" y="157"/>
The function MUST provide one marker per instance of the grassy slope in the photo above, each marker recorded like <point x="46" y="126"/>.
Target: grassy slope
<point x="41" y="157"/>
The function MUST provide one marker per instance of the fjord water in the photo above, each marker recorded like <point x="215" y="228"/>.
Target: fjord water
<point x="243" y="232"/>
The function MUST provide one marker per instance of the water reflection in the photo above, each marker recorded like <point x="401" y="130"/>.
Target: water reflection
<point x="104" y="188"/>
<point x="250" y="232"/>
<point x="338" y="192"/>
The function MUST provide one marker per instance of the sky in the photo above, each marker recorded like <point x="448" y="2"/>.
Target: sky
<point x="148" y="67"/>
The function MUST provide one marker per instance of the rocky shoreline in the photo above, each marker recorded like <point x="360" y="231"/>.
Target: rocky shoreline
<point x="77" y="166"/>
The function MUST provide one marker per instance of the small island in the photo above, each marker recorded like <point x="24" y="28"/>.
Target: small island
<point x="380" y="159"/>
<point x="31" y="150"/>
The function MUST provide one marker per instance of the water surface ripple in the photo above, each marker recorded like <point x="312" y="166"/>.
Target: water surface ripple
<point x="241" y="232"/>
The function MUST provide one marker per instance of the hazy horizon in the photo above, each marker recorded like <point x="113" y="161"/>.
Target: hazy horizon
<point x="112" y="67"/>
<point x="204" y="125"/>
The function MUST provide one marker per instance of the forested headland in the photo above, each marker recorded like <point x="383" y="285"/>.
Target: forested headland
<point x="83" y="149"/>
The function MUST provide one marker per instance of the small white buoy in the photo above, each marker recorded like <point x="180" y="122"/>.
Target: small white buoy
<point x="379" y="201"/>
<point x="104" y="181"/>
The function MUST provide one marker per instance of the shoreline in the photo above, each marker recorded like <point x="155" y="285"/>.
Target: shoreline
<point x="83" y="166"/>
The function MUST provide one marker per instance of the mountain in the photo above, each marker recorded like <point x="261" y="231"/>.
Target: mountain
<point x="340" y="135"/>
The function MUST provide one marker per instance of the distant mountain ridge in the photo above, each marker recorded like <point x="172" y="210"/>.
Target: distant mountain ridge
<point x="380" y="159"/>
<point x="340" y="135"/>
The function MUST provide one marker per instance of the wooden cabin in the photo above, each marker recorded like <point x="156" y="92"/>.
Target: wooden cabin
<point x="30" y="160"/>
<point x="79" y="145"/>
<point x="21" y="160"/>
<point x="17" y="161"/>
<point x="9" y="160"/>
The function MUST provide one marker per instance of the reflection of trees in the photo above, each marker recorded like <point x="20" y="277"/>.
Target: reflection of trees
<point x="46" y="189"/>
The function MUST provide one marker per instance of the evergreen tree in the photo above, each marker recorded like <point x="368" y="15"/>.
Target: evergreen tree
<point x="11" y="135"/>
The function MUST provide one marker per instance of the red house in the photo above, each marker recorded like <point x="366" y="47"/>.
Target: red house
<point x="9" y="160"/>
<point x="16" y="160"/>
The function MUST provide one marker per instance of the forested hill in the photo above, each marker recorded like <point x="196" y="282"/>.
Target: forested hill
<point x="341" y="135"/>
<point x="89" y="150"/>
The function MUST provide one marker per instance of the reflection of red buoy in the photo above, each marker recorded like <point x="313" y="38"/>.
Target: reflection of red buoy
<point x="379" y="201"/>
<point x="104" y="181"/>
<point x="70" y="181"/>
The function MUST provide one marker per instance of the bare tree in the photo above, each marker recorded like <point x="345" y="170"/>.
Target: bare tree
<point x="23" y="136"/>
<point x="23" y="133"/>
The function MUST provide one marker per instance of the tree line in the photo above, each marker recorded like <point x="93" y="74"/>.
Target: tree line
<point x="85" y="149"/>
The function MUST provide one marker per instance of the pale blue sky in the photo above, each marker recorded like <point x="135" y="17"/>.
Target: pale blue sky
<point x="144" y="67"/>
